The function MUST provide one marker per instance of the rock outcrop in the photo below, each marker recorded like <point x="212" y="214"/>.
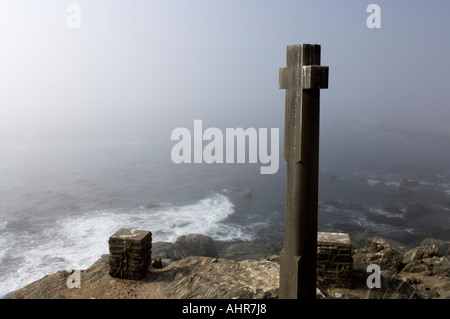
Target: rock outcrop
<point x="420" y="273"/>
<point x="377" y="251"/>
<point x="191" y="245"/>
<point x="187" y="278"/>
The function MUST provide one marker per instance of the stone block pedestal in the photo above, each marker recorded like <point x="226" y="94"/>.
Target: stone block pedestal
<point x="130" y="253"/>
<point x="334" y="260"/>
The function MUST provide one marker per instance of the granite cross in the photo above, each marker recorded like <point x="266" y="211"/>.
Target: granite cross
<point x="302" y="78"/>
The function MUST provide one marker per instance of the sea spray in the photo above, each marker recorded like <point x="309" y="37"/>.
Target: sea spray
<point x="77" y="241"/>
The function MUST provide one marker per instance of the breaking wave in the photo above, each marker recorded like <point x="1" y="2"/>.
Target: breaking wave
<point x="77" y="241"/>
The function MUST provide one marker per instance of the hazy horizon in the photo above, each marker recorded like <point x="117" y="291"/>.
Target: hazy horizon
<point x="139" y="70"/>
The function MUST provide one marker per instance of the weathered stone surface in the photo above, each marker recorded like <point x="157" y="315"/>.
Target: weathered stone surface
<point x="334" y="259"/>
<point x="378" y="251"/>
<point x="129" y="253"/>
<point x="397" y="287"/>
<point x="375" y="245"/>
<point x="423" y="251"/>
<point x="419" y="273"/>
<point x="192" y="245"/>
<point x="200" y="277"/>
<point x="435" y="265"/>
<point x="442" y="246"/>
<point x="416" y="266"/>
<point x="188" y="278"/>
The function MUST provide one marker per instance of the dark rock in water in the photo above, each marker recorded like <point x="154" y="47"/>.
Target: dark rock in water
<point x="414" y="210"/>
<point x="235" y="250"/>
<point x="192" y="245"/>
<point x="151" y="206"/>
<point x="159" y="250"/>
<point x="246" y="193"/>
<point x="241" y="250"/>
<point x="405" y="184"/>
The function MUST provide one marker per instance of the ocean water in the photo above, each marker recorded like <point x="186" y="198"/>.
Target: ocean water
<point x="60" y="201"/>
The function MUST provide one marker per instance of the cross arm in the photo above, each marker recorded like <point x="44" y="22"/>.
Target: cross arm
<point x="304" y="77"/>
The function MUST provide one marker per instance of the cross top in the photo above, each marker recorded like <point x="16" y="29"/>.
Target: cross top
<point x="303" y="72"/>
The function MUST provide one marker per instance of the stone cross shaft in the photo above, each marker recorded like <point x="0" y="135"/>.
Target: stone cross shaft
<point x="302" y="79"/>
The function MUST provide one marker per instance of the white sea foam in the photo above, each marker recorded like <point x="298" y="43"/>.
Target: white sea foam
<point x="373" y="182"/>
<point x="78" y="241"/>
<point x="327" y="208"/>
<point x="3" y="223"/>
<point x="371" y="225"/>
<point x="385" y="213"/>
<point x="395" y="184"/>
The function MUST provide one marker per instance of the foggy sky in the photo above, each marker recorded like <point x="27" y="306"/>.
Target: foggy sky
<point x="139" y="69"/>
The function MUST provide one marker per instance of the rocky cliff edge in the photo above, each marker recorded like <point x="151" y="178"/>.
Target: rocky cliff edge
<point x="196" y="267"/>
